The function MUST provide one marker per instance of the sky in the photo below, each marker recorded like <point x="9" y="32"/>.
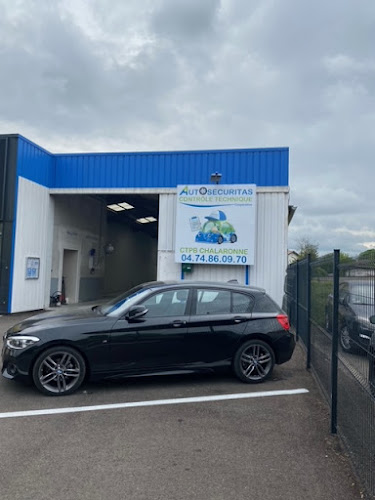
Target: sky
<point x="156" y="75"/>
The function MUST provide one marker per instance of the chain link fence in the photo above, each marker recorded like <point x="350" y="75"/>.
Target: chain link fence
<point x="331" y="306"/>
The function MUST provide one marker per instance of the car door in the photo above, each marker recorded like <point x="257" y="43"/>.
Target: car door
<point x="155" y="341"/>
<point x="218" y="319"/>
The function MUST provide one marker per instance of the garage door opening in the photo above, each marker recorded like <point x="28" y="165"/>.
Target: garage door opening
<point x="132" y="232"/>
<point x="115" y="242"/>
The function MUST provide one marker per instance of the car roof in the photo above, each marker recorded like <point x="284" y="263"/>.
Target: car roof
<point x="232" y="285"/>
<point x="357" y="282"/>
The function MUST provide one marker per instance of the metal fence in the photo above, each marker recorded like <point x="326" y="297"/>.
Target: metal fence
<point x="330" y="304"/>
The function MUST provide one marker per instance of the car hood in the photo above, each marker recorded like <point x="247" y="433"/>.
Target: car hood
<point x="363" y="312"/>
<point x="60" y="318"/>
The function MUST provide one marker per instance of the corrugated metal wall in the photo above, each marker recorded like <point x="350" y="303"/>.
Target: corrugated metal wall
<point x="263" y="167"/>
<point x="34" y="163"/>
<point x="33" y="239"/>
<point x="203" y="272"/>
<point x="271" y="244"/>
<point x="8" y="186"/>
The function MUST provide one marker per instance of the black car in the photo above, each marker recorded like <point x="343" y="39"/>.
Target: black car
<point x="356" y="305"/>
<point x="153" y="328"/>
<point x="371" y="358"/>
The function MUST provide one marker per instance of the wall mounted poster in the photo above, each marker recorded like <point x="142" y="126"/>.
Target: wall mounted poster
<point x="215" y="224"/>
<point x="32" y="268"/>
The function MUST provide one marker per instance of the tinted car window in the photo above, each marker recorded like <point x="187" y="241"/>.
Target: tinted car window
<point x="117" y="305"/>
<point x="167" y="303"/>
<point x="242" y="303"/>
<point x="264" y="304"/>
<point x="213" y="302"/>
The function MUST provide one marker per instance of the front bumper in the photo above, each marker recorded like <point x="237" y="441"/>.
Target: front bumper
<point x="15" y="364"/>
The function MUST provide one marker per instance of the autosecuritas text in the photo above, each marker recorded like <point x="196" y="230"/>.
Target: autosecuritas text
<point x="216" y="191"/>
<point x="215" y="195"/>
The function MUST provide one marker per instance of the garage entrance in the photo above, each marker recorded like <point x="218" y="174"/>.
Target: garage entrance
<point x="103" y="244"/>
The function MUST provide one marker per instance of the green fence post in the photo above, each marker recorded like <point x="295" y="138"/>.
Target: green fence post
<point x="335" y="340"/>
<point x="308" y="312"/>
<point x="297" y="303"/>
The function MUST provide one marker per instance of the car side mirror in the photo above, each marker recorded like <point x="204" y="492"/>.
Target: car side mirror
<point x="372" y="319"/>
<point x="136" y="312"/>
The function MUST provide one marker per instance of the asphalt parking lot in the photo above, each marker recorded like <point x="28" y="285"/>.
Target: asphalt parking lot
<point x="271" y="444"/>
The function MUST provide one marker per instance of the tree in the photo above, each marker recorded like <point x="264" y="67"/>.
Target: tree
<point x="307" y="247"/>
<point x="367" y="255"/>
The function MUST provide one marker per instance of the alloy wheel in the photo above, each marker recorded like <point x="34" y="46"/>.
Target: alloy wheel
<point x="59" y="371"/>
<point x="254" y="361"/>
<point x="345" y="340"/>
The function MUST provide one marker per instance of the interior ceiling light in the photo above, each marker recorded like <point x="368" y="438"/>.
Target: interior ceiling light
<point x="115" y="207"/>
<point x="125" y="205"/>
<point x="118" y="207"/>
<point x="146" y="220"/>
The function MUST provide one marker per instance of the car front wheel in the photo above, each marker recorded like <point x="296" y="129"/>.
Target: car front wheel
<point x="59" y="371"/>
<point x="254" y="361"/>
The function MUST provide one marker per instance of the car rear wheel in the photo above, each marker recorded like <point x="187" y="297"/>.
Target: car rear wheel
<point x="59" y="371"/>
<point x="220" y="240"/>
<point x="345" y="339"/>
<point x="254" y="361"/>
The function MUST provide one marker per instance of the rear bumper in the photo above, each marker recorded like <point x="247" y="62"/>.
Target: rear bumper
<point x="284" y="348"/>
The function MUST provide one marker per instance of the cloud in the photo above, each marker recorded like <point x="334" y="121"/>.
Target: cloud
<point x="187" y="74"/>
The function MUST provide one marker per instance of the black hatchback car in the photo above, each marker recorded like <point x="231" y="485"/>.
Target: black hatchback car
<point x="153" y="328"/>
<point x="356" y="305"/>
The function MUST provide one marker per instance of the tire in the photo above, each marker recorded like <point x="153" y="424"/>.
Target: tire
<point x="253" y="362"/>
<point x="233" y="238"/>
<point x="59" y="371"/>
<point x="346" y="342"/>
<point x="371" y="372"/>
<point x="220" y="240"/>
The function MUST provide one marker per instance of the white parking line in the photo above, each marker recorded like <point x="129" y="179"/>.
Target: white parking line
<point x="156" y="402"/>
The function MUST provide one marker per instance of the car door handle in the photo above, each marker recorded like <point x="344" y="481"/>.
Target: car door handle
<point x="178" y="323"/>
<point x="239" y="319"/>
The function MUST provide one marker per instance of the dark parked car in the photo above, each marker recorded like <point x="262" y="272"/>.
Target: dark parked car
<point x="356" y="305"/>
<point x="371" y="357"/>
<point x="151" y="329"/>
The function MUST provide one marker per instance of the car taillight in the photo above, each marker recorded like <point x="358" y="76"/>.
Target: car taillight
<point x="283" y="320"/>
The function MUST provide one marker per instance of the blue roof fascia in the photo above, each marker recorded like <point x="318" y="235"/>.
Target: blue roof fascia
<point x="158" y="169"/>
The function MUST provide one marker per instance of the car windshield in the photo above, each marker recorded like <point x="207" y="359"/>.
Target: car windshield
<point x="362" y="294"/>
<point x="118" y="305"/>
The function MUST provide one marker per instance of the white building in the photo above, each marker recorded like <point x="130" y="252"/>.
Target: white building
<point x="62" y="214"/>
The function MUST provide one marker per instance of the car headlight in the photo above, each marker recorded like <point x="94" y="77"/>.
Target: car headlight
<point x="20" y="341"/>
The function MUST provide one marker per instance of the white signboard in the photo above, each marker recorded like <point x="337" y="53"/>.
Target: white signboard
<point x="216" y="224"/>
<point x="32" y="268"/>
